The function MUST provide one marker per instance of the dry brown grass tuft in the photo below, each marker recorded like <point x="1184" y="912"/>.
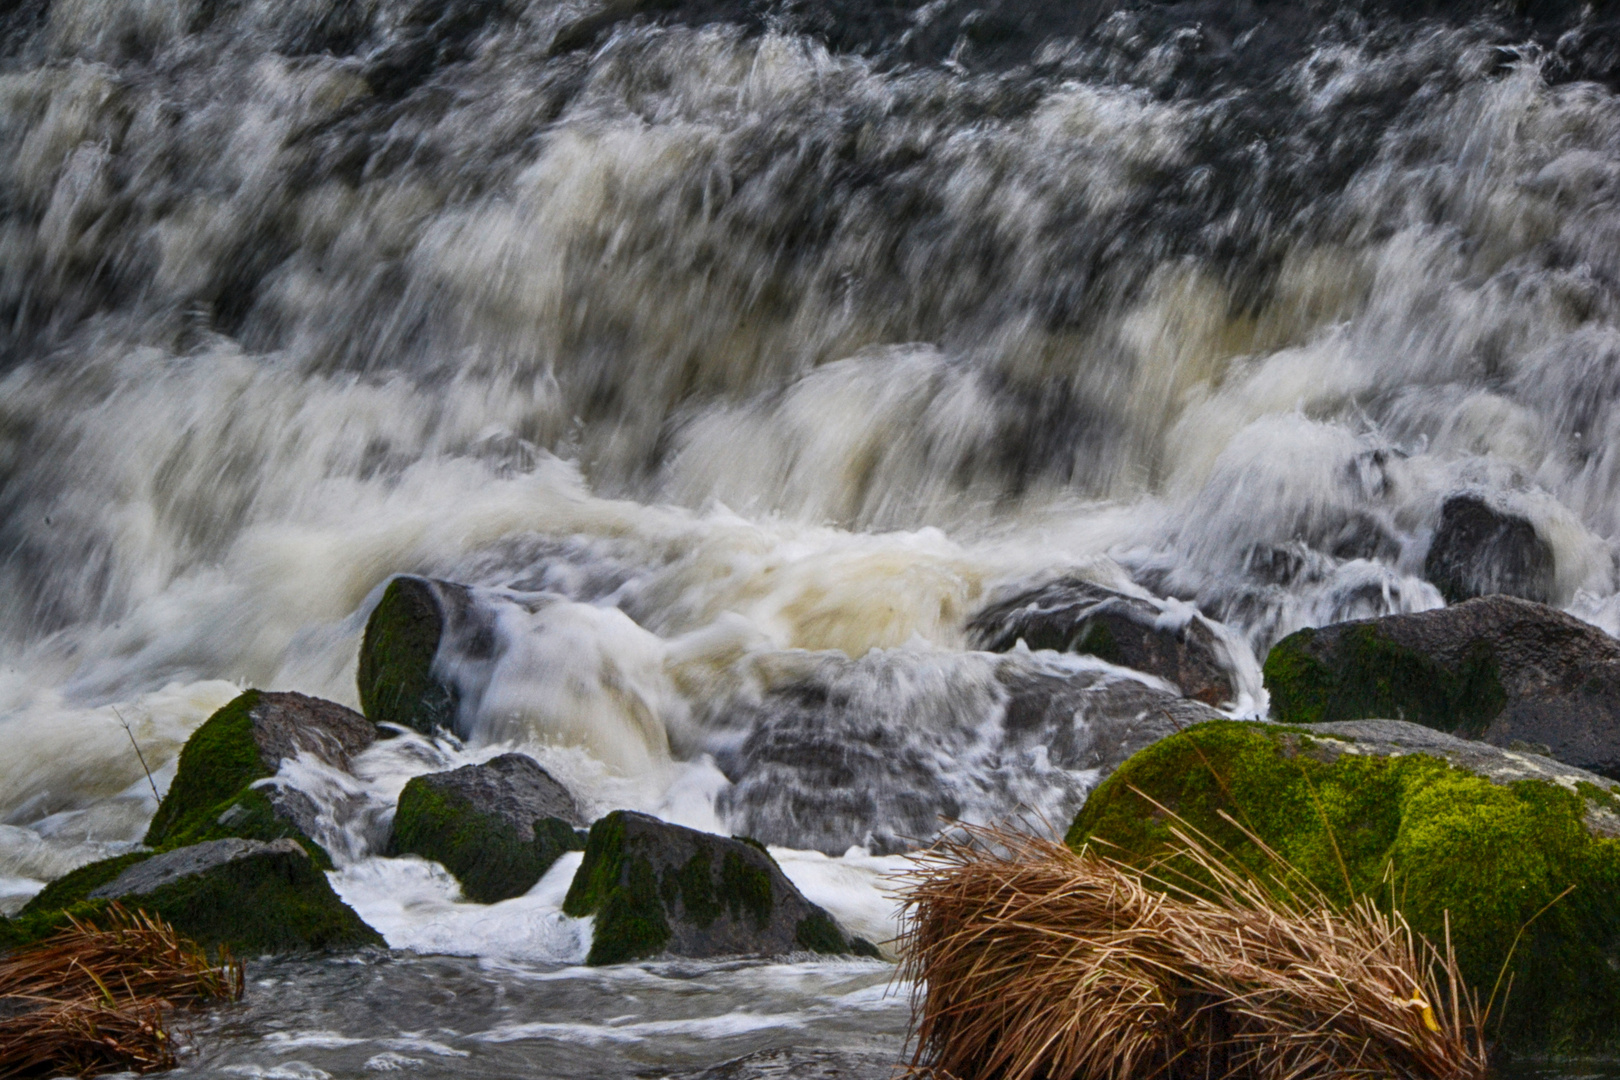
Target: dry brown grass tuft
<point x="89" y="1000"/>
<point x="1034" y="962"/>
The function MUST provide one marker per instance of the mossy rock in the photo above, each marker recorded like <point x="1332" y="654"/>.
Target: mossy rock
<point x="213" y="793"/>
<point x="249" y="896"/>
<point x="1406" y="815"/>
<point x="497" y="826"/>
<point x="397" y="680"/>
<point x="658" y="889"/>
<point x="1500" y="669"/>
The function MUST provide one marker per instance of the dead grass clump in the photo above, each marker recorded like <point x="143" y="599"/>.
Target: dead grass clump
<point x="89" y="1000"/>
<point x="1034" y="962"/>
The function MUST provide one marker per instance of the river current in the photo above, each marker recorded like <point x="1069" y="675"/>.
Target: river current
<point x="738" y="352"/>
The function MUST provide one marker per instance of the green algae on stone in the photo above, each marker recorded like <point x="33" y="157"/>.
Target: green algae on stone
<point x="212" y="795"/>
<point x="658" y="888"/>
<point x="1411" y="829"/>
<point x="486" y="853"/>
<point x="1363" y="673"/>
<point x="395" y="676"/>
<point x="217" y="762"/>
<point x="276" y="903"/>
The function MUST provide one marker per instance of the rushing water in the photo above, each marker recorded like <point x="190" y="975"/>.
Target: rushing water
<point x="741" y="350"/>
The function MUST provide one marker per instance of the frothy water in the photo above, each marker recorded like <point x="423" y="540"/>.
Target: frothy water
<point x="737" y="355"/>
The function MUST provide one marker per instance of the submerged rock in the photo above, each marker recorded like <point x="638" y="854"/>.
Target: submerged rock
<point x="248" y="895"/>
<point x="398" y="680"/>
<point x="877" y="752"/>
<point x="1503" y="670"/>
<point x="213" y="796"/>
<point x="1072" y="615"/>
<point x="497" y="826"/>
<point x="1481" y="551"/>
<point x="658" y="889"/>
<point x="1386" y="808"/>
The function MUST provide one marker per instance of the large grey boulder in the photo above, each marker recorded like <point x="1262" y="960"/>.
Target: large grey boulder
<point x="497" y="826"/>
<point x="1508" y="671"/>
<point x="1073" y="615"/>
<point x="658" y="889"/>
<point x="1479" y="550"/>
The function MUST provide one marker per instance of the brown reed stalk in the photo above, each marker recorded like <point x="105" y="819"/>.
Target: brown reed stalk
<point x="1034" y="962"/>
<point x="91" y="1000"/>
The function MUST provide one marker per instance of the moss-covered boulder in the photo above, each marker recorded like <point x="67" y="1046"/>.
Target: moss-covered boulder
<point x="1073" y="615"/>
<point x="213" y="793"/>
<point x="1435" y="823"/>
<point x="1508" y="671"/>
<point x="497" y="826"/>
<point x="658" y="889"/>
<point x="248" y="895"/>
<point x="400" y="678"/>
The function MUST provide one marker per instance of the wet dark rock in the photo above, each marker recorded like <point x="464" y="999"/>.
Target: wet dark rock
<point x="497" y="827"/>
<point x="398" y="680"/>
<point x="214" y="794"/>
<point x="248" y="895"/>
<point x="877" y="752"/>
<point x="658" y="889"/>
<point x="1071" y="615"/>
<point x="1497" y="668"/>
<point x="1481" y="551"/>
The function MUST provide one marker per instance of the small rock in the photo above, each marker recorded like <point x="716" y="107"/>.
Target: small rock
<point x="1072" y="615"/>
<point x="1497" y="668"/>
<point x="1481" y="551"/>
<point x="497" y="827"/>
<point x="398" y="680"/>
<point x="152" y="874"/>
<point x="658" y="889"/>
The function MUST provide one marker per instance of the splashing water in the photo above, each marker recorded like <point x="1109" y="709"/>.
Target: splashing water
<point x="737" y="354"/>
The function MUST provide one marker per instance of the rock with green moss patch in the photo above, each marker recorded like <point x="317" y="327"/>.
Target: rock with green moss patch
<point x="248" y="895"/>
<point x="497" y="826"/>
<point x="400" y="677"/>
<point x="217" y="791"/>
<point x="1504" y="670"/>
<point x="658" y="889"/>
<point x="1073" y="615"/>
<point x="1440" y="824"/>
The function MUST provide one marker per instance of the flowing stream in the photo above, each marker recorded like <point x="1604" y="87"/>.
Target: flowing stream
<point x="737" y="352"/>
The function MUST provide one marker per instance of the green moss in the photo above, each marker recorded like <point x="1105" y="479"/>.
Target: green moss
<point x="396" y="660"/>
<point x="631" y="925"/>
<point x="817" y="932"/>
<point x="217" y="762"/>
<point x="1408" y="830"/>
<point x="248" y="815"/>
<point x="693" y="887"/>
<point x="601" y="869"/>
<point x="1098" y="640"/>
<point x="80" y="883"/>
<point x="1359" y="673"/>
<point x="745" y="887"/>
<point x="253" y="905"/>
<point x="487" y="855"/>
<point x="31" y="926"/>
